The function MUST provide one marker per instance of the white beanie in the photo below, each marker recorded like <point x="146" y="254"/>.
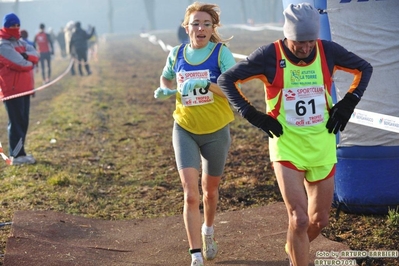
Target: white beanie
<point x="302" y="22"/>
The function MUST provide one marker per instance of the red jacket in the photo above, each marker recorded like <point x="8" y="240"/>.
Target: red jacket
<point x="16" y="75"/>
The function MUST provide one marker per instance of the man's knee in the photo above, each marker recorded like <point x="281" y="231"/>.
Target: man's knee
<point x="319" y="221"/>
<point x="299" y="221"/>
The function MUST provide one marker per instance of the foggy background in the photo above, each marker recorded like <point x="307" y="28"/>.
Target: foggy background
<point x="132" y="16"/>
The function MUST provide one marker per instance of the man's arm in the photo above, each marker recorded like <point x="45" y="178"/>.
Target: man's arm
<point x="251" y="68"/>
<point x="50" y="41"/>
<point x="13" y="59"/>
<point x="349" y="62"/>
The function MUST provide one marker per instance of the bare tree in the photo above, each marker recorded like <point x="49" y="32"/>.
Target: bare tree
<point x="270" y="10"/>
<point x="110" y="16"/>
<point x="150" y="8"/>
<point x="273" y="7"/>
<point x="243" y="12"/>
<point x="16" y="7"/>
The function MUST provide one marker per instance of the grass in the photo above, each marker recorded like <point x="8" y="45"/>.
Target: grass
<point x="393" y="218"/>
<point x="103" y="147"/>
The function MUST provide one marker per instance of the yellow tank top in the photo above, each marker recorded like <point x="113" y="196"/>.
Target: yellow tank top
<point x="302" y="107"/>
<point x="201" y="112"/>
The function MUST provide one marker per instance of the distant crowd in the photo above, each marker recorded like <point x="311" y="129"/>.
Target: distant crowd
<point x="70" y="42"/>
<point x="20" y="57"/>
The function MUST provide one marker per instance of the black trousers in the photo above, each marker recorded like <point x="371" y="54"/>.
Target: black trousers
<point x="18" y="122"/>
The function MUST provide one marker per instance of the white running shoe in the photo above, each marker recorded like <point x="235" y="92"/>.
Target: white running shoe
<point x="197" y="262"/>
<point x="209" y="247"/>
<point x="27" y="159"/>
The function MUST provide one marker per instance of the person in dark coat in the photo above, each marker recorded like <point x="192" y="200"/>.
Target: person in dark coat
<point x="79" y="45"/>
<point x="182" y="34"/>
<point x="61" y="41"/>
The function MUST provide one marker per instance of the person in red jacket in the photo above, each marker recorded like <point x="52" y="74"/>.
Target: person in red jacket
<point x="17" y="59"/>
<point x="44" y="44"/>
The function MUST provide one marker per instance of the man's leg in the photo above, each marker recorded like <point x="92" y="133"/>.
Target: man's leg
<point x="73" y="66"/>
<point x="292" y="189"/>
<point x="42" y="67"/>
<point x="320" y="196"/>
<point x="17" y="125"/>
<point x="48" y="68"/>
<point x="87" y="67"/>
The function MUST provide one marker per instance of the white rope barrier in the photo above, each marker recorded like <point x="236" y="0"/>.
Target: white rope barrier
<point x="5" y="158"/>
<point x="41" y="87"/>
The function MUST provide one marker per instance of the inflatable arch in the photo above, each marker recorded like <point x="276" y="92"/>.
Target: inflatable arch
<point x="367" y="175"/>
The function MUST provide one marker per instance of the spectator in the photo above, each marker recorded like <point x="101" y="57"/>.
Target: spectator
<point x="24" y="36"/>
<point x="53" y="36"/>
<point x="44" y="45"/>
<point x="17" y="59"/>
<point x="79" y="44"/>
<point x="92" y="44"/>
<point x="68" y="31"/>
<point x="61" y="42"/>
<point x="182" y="34"/>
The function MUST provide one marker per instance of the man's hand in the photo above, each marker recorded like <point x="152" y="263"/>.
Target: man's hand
<point x="163" y="93"/>
<point x="341" y="113"/>
<point x="191" y="84"/>
<point x="263" y="121"/>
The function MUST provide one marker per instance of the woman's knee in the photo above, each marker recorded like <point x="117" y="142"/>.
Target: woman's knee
<point x="210" y="186"/>
<point x="211" y="193"/>
<point x="191" y="198"/>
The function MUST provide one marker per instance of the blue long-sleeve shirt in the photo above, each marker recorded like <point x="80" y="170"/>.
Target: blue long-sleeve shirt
<point x="262" y="64"/>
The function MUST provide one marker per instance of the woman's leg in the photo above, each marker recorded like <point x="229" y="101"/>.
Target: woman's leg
<point x="191" y="213"/>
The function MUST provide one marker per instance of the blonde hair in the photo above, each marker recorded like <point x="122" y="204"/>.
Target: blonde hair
<point x="214" y="11"/>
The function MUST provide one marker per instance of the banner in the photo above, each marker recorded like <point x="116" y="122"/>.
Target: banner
<point x="370" y="29"/>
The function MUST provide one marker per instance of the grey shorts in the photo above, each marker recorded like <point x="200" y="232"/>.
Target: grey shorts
<point x="210" y="149"/>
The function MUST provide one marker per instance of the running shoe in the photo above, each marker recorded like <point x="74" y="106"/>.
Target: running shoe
<point x="286" y="251"/>
<point x="197" y="262"/>
<point x="28" y="159"/>
<point x="209" y="247"/>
